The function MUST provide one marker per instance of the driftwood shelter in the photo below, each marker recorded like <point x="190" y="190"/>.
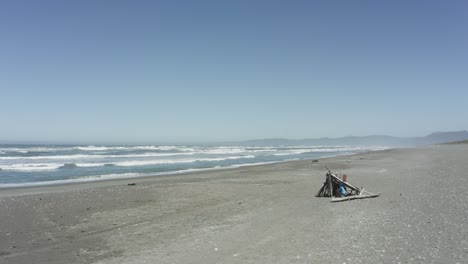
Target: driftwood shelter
<point x="340" y="190"/>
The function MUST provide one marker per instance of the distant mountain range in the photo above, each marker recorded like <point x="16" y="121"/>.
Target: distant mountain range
<point x="375" y="140"/>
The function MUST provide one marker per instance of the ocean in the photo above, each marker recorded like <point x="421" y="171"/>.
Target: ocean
<point x="32" y="165"/>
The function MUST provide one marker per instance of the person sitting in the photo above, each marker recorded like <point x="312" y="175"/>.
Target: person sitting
<point x="342" y="190"/>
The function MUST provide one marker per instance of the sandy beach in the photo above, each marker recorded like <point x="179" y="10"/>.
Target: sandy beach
<point x="257" y="214"/>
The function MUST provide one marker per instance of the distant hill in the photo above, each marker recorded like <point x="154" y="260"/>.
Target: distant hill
<point x="458" y="142"/>
<point x="444" y="137"/>
<point x="374" y="140"/>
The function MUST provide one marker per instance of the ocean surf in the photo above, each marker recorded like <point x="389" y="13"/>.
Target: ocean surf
<point x="32" y="165"/>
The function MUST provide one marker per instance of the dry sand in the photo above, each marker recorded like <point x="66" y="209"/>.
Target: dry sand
<point x="261" y="214"/>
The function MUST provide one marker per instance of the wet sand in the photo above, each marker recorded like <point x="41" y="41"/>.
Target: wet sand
<point x="258" y="214"/>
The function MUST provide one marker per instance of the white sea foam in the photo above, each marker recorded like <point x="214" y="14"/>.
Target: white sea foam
<point x="127" y="163"/>
<point x="292" y="152"/>
<point x="224" y="151"/>
<point x="58" y="157"/>
<point x="96" y="148"/>
<point x="95" y="156"/>
<point x="164" y="148"/>
<point x="175" y="161"/>
<point x="324" y="149"/>
<point x="33" y="149"/>
<point x="92" y="148"/>
<point x="31" y="166"/>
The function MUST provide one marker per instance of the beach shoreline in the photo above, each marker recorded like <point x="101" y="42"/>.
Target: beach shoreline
<point x="30" y="165"/>
<point x="258" y="214"/>
<point x="44" y="187"/>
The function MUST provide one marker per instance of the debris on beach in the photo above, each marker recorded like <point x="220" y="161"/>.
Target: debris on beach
<point x="340" y="190"/>
<point x="131" y="184"/>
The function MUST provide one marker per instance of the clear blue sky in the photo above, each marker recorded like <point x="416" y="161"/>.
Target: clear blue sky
<point x="158" y="71"/>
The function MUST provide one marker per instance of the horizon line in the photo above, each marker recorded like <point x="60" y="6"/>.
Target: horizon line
<point x="194" y="142"/>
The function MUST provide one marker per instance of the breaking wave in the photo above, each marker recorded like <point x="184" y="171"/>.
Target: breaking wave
<point x="129" y="163"/>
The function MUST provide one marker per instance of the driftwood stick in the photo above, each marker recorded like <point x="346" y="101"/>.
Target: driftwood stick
<point x="366" y="192"/>
<point x="345" y="183"/>
<point x="320" y="192"/>
<point x="354" y="197"/>
<point x="331" y="185"/>
<point x="361" y="191"/>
